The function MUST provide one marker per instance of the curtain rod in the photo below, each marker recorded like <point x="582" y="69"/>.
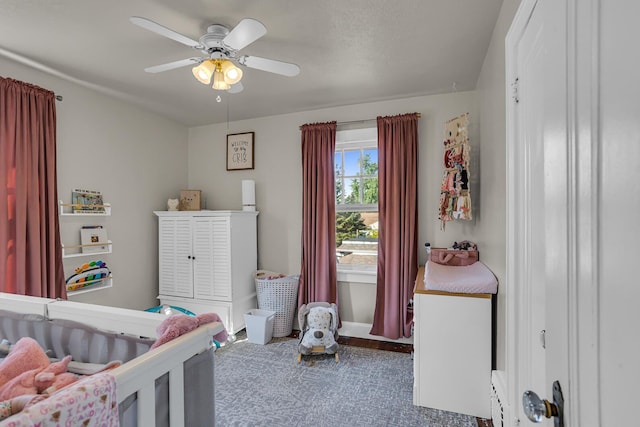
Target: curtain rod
<point x="364" y="121"/>
<point x="59" y="98"/>
<point x="361" y="121"/>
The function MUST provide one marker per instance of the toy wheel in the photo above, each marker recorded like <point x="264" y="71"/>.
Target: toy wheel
<point x="299" y="357"/>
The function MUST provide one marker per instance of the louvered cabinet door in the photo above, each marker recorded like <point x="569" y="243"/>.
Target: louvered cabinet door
<point x="175" y="257"/>
<point x="212" y="266"/>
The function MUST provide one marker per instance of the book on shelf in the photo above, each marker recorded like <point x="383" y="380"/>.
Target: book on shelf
<point x="94" y="240"/>
<point x="87" y="201"/>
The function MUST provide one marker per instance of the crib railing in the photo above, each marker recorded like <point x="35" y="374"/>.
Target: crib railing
<point x="139" y="375"/>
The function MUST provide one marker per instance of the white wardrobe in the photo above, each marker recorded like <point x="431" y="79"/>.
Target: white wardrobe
<point x="207" y="260"/>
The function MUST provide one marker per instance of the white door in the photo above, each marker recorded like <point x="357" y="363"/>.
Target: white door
<point x="538" y="202"/>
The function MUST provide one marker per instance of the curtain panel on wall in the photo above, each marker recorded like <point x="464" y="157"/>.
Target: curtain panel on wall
<point x="398" y="218"/>
<point x="30" y="250"/>
<point x="318" y="272"/>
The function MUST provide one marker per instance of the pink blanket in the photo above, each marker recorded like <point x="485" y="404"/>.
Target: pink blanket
<point x="92" y="401"/>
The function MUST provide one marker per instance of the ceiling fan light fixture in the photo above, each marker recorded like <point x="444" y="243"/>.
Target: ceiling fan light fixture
<point x="204" y="71"/>
<point x="218" y="79"/>
<point x="232" y="74"/>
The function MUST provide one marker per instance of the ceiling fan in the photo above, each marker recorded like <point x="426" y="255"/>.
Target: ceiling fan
<point x="221" y="48"/>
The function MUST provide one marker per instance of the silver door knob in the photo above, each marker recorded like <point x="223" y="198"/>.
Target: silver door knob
<point x="537" y="409"/>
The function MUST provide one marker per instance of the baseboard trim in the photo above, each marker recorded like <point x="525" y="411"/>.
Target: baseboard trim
<point x="361" y="330"/>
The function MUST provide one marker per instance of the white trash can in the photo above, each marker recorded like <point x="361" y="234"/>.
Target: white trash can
<point x="259" y="325"/>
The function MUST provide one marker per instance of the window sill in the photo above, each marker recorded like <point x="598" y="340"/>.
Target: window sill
<point x="357" y="276"/>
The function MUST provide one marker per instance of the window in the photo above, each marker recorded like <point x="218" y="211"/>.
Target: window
<point x="356" y="169"/>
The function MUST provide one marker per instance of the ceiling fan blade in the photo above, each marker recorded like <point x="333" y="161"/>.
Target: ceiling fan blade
<point x="271" y="65"/>
<point x="147" y="24"/>
<point x="245" y="33"/>
<point x="236" y="88"/>
<point x="175" y="64"/>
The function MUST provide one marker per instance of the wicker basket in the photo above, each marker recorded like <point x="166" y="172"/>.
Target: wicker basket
<point x="279" y="295"/>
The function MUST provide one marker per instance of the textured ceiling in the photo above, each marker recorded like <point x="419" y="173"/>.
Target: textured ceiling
<point x="349" y="51"/>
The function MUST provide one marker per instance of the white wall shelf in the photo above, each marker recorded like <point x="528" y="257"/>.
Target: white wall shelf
<point x="83" y="254"/>
<point x="90" y="286"/>
<point x="66" y="209"/>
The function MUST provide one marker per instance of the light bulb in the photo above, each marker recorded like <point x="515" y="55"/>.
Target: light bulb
<point x="204" y="71"/>
<point x="232" y="74"/>
<point x="218" y="82"/>
<point x="218" y="79"/>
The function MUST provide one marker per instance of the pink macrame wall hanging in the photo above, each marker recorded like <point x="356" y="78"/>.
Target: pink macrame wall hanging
<point x="455" y="197"/>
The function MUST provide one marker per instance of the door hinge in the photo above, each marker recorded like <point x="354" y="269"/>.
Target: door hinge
<point x="514" y="90"/>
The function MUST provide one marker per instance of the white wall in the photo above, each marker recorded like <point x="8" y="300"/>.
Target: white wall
<point x="492" y="218"/>
<point x="135" y="158"/>
<point x="278" y="171"/>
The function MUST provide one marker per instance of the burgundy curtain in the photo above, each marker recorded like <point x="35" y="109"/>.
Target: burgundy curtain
<point x="30" y="250"/>
<point x="318" y="273"/>
<point x="398" y="218"/>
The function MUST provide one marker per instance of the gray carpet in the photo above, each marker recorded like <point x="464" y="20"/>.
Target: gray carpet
<point x="263" y="385"/>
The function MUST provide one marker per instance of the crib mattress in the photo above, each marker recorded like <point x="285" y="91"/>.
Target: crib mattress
<point x="469" y="279"/>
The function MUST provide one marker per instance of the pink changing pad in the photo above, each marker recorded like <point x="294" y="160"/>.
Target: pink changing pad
<point x="469" y="279"/>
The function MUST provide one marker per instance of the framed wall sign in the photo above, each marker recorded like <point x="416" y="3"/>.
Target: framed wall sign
<point x="240" y="151"/>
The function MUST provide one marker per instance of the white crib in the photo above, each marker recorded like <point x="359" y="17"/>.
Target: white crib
<point x="187" y="357"/>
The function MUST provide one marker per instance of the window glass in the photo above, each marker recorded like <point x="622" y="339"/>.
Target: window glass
<point x="356" y="169"/>
<point x="352" y="162"/>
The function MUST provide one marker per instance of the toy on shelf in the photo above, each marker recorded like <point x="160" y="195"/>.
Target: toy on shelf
<point x="88" y="274"/>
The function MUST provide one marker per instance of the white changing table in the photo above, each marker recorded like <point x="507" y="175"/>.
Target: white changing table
<point x="452" y="350"/>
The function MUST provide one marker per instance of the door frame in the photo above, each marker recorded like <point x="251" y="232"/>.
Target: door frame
<point x="582" y="394"/>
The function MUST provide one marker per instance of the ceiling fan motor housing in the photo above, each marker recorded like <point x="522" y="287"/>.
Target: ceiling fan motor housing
<point x="214" y="36"/>
<point x="213" y="42"/>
